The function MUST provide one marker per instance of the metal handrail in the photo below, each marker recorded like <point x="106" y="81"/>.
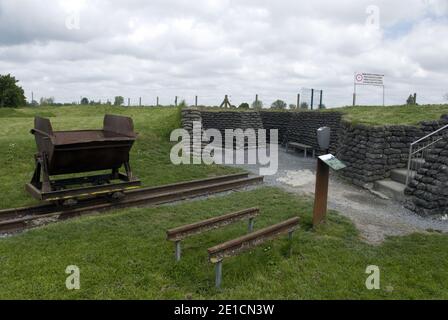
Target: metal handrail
<point x="413" y="152"/>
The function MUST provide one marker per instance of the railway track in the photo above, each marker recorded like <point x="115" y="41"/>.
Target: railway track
<point x="18" y="219"/>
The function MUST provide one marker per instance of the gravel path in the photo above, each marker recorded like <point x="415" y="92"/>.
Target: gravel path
<point x="376" y="218"/>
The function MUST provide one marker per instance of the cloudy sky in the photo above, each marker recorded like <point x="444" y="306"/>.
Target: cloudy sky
<point x="137" y="48"/>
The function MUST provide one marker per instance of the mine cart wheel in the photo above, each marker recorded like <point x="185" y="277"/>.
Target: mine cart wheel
<point x="101" y="182"/>
<point x="66" y="202"/>
<point x="117" y="195"/>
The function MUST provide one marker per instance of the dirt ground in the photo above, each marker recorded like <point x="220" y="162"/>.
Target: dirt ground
<point x="376" y="218"/>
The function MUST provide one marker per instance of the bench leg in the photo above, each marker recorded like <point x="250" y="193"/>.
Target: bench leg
<point x="218" y="275"/>
<point x="178" y="250"/>
<point x="251" y="225"/>
<point x="306" y="154"/>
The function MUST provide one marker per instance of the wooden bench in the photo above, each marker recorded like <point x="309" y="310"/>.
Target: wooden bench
<point x="235" y="247"/>
<point x="178" y="234"/>
<point x="300" y="146"/>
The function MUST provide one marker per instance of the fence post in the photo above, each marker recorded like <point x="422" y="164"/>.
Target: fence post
<point x="196" y="101"/>
<point x="175" y="101"/>
<point x="129" y="102"/>
<point x="312" y="99"/>
<point x="140" y="102"/>
<point x="321" y="99"/>
<point x="298" y="101"/>
<point x="157" y="102"/>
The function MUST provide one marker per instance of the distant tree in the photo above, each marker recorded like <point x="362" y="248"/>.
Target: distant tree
<point x="322" y="106"/>
<point x="11" y="95"/>
<point x="279" y="105"/>
<point x="257" y="105"/>
<point x="46" y="101"/>
<point x="292" y="107"/>
<point x="84" y="101"/>
<point x="244" y="105"/>
<point x="119" y="100"/>
<point x="34" y="103"/>
<point x="412" y="100"/>
<point x="304" y="105"/>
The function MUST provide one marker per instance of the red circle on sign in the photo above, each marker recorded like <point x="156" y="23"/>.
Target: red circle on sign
<point x="359" y="77"/>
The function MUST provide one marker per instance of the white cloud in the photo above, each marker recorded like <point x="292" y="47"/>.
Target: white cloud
<point x="238" y="47"/>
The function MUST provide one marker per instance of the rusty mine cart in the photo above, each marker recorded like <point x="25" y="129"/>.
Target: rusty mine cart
<point x="82" y="151"/>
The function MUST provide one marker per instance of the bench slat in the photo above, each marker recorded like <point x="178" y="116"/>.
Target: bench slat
<point x="236" y="246"/>
<point x="183" y="232"/>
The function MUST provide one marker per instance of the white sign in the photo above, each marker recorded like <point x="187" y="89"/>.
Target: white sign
<point x="370" y="79"/>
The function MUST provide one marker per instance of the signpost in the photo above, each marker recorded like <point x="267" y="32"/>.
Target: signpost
<point x="368" y="79"/>
<point x="324" y="163"/>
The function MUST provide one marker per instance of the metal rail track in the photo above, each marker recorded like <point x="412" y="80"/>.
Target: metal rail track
<point x="17" y="219"/>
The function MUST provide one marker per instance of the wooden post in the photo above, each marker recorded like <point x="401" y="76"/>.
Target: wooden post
<point x="175" y="101"/>
<point x="298" y="101"/>
<point x="157" y="102"/>
<point x="196" y="101"/>
<point x="129" y="102"/>
<point x="140" y="102"/>
<point x="321" y="193"/>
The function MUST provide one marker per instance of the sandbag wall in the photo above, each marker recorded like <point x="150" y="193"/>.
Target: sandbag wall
<point x="370" y="153"/>
<point x="232" y="120"/>
<point x="302" y="127"/>
<point x="428" y="191"/>
<point x="276" y="120"/>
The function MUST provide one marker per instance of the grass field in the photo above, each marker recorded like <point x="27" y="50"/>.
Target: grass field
<point x="124" y="255"/>
<point x="149" y="157"/>
<point x="393" y="115"/>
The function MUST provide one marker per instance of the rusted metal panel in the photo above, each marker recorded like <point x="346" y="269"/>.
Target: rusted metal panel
<point x="183" y="232"/>
<point x="236" y="246"/>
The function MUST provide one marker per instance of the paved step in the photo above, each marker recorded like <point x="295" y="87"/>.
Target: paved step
<point x="390" y="188"/>
<point x="400" y="175"/>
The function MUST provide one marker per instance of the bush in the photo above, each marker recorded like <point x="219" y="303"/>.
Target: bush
<point x="46" y="101"/>
<point x="304" y="105"/>
<point x="11" y="95"/>
<point x="279" y="105"/>
<point x="244" y="106"/>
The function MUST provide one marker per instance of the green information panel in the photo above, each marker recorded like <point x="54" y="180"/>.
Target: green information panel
<point x="333" y="162"/>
